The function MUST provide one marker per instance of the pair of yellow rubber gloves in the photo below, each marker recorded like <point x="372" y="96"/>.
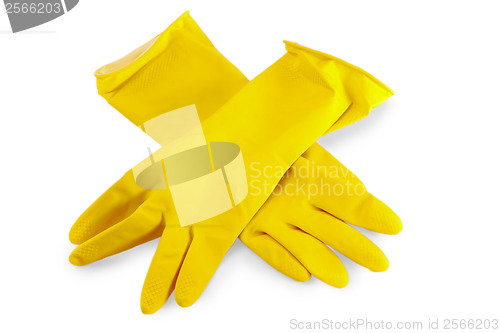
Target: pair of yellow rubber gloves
<point x="275" y="121"/>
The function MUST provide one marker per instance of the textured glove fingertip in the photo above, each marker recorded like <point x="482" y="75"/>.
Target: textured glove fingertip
<point x="80" y="231"/>
<point x="381" y="266"/>
<point x="75" y="260"/>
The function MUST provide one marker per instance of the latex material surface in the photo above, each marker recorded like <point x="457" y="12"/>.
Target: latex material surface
<point x="145" y="86"/>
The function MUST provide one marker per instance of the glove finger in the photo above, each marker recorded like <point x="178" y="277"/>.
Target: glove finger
<point x="347" y="197"/>
<point x="322" y="157"/>
<point x="164" y="269"/>
<point x="345" y="239"/>
<point x="140" y="227"/>
<point x="202" y="259"/>
<point x="363" y="210"/>
<point x="275" y="255"/>
<point x="316" y="257"/>
<point x="113" y="206"/>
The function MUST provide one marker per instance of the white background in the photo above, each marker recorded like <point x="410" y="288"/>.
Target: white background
<point x="430" y="152"/>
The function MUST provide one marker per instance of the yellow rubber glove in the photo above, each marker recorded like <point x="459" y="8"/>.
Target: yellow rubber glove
<point x="127" y="203"/>
<point x="290" y="231"/>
